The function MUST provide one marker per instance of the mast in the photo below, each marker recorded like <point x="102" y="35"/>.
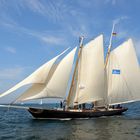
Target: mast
<point x="107" y="56"/>
<point x="106" y="61"/>
<point x="110" y="45"/>
<point x="76" y="65"/>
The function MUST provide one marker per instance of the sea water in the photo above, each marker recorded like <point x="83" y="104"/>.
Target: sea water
<point x="18" y="124"/>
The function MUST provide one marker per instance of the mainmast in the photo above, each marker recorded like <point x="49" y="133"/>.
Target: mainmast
<point x="107" y="58"/>
<point x="75" y="69"/>
<point x="110" y="45"/>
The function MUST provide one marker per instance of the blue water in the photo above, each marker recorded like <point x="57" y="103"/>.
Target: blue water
<point x="16" y="124"/>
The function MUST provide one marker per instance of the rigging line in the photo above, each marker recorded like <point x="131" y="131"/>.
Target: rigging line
<point x="123" y="77"/>
<point x="130" y="93"/>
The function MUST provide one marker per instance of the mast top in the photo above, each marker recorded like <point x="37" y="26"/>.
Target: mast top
<point x="110" y="45"/>
<point x="81" y="38"/>
<point x="111" y="36"/>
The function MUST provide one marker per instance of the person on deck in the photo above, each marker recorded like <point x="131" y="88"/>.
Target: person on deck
<point x="64" y="105"/>
<point x="119" y="106"/>
<point x="61" y="104"/>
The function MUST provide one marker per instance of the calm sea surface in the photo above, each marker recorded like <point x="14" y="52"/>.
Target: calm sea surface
<point x="16" y="124"/>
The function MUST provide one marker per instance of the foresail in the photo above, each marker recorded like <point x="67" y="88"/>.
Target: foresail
<point x="59" y="82"/>
<point x="29" y="93"/>
<point x="123" y="74"/>
<point x="57" y="85"/>
<point x="37" y="77"/>
<point x="90" y="85"/>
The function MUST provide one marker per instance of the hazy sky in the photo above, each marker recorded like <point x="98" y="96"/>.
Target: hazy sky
<point x="34" y="31"/>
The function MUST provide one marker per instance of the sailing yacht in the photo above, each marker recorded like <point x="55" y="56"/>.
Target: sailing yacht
<point x="82" y="76"/>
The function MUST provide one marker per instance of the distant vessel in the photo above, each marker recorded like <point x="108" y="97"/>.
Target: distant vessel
<point x="82" y="77"/>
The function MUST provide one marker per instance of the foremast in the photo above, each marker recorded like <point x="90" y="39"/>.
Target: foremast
<point x="75" y="70"/>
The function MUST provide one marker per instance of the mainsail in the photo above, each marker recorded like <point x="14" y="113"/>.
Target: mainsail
<point x="90" y="73"/>
<point x="38" y="77"/>
<point x="123" y="74"/>
<point x="57" y="85"/>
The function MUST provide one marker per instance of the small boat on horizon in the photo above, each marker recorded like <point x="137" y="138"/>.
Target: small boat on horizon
<point x="82" y="76"/>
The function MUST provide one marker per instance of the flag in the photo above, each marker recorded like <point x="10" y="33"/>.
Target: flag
<point x="116" y="71"/>
<point x="114" y="34"/>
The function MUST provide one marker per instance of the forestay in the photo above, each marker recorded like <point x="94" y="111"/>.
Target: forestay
<point x="123" y="74"/>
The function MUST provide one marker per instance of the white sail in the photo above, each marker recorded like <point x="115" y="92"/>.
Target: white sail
<point x="123" y="74"/>
<point x="37" y="77"/>
<point x="56" y="86"/>
<point x="90" y="85"/>
<point x="32" y="91"/>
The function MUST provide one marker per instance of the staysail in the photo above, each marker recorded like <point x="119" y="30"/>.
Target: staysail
<point x="38" y="77"/>
<point x="57" y="85"/>
<point x="90" y="73"/>
<point x="123" y="74"/>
